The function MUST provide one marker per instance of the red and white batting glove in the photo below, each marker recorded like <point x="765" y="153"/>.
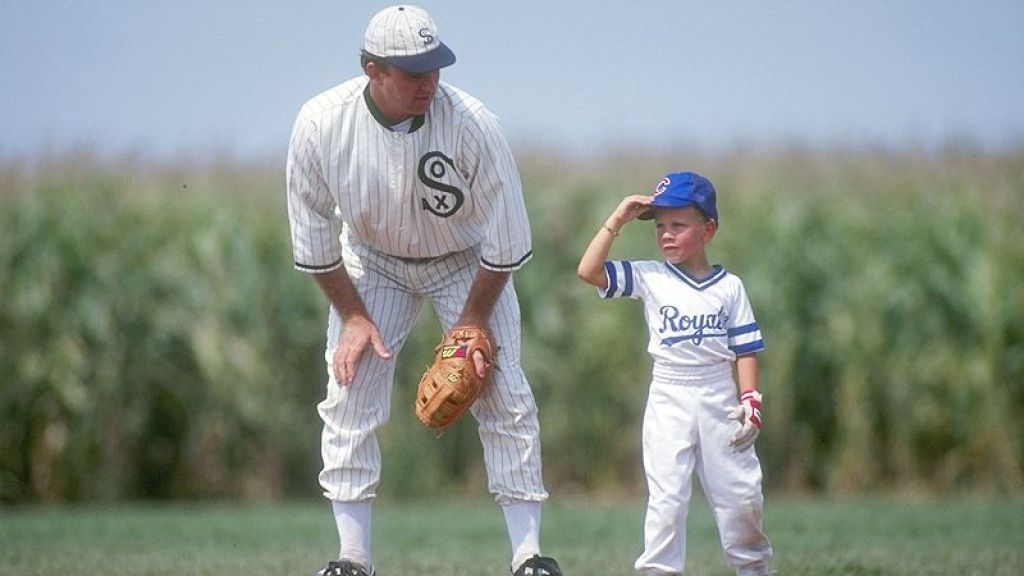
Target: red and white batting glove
<point x="748" y="414"/>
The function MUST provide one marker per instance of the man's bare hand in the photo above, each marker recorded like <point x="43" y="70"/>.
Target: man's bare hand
<point x="358" y="333"/>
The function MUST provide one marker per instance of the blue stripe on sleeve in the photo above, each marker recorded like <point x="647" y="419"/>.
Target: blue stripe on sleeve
<point x="743" y="329"/>
<point x="609" y="270"/>
<point x="627" y="270"/>
<point x="748" y="348"/>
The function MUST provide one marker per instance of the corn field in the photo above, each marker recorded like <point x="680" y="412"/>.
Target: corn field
<point x="155" y="341"/>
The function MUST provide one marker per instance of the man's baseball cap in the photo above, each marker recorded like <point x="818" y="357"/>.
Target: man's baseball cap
<point x="682" y="189"/>
<point x="406" y="37"/>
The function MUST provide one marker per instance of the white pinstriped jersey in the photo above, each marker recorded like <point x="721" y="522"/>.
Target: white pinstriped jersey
<point x="692" y="322"/>
<point x="448" y="184"/>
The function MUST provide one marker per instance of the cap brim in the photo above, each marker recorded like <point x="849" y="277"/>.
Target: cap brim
<point x="436" y="59"/>
<point x="660" y="202"/>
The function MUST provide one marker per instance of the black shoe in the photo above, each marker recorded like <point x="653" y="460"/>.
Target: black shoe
<point x="539" y="566"/>
<point x="344" y="568"/>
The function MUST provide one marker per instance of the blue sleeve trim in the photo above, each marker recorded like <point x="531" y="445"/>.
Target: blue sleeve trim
<point x="754" y="346"/>
<point x="627" y="271"/>
<point x="609" y="270"/>
<point x="743" y="329"/>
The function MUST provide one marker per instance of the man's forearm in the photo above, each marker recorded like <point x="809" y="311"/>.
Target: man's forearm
<point x="338" y="288"/>
<point x="483" y="294"/>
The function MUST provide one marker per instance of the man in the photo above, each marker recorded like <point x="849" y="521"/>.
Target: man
<point x="402" y="188"/>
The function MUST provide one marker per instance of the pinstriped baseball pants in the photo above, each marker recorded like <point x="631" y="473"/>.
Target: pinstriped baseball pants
<point x="394" y="291"/>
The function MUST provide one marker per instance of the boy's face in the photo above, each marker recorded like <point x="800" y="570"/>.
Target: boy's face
<point x="682" y="234"/>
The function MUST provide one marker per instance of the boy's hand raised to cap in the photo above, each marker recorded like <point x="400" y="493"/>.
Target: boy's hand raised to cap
<point x="629" y="209"/>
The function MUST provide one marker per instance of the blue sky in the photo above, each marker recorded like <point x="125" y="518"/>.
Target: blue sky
<point x="193" y="78"/>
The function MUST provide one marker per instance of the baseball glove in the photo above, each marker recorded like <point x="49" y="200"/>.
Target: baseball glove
<point x="450" y="385"/>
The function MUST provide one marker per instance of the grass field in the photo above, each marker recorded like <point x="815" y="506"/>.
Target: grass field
<point x="811" y="537"/>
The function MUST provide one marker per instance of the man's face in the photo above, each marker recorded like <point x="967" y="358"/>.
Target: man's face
<point x="399" y="94"/>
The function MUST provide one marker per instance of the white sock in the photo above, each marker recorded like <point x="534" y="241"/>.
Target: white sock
<point x="523" y="520"/>
<point x="355" y="524"/>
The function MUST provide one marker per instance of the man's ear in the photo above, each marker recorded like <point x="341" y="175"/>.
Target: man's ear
<point x="372" y="70"/>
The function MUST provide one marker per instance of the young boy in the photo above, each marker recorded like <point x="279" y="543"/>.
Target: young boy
<point x="701" y="325"/>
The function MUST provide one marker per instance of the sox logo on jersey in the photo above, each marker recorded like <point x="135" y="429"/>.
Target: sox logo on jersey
<point x="447" y="199"/>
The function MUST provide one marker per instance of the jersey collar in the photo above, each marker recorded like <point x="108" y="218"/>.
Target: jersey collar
<point x="417" y="121"/>
<point x="717" y="273"/>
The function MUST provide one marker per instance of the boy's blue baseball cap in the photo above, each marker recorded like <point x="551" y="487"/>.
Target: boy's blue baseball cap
<point x="682" y="189"/>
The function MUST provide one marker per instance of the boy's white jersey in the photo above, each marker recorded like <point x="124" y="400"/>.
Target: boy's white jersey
<point x="692" y="322"/>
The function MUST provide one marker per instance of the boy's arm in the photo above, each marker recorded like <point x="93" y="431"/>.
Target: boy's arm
<point x="591" y="267"/>
<point x="748" y="413"/>
<point x="747" y="373"/>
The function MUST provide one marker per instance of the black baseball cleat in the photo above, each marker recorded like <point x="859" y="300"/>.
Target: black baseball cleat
<point x="539" y="566"/>
<point x="344" y="568"/>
